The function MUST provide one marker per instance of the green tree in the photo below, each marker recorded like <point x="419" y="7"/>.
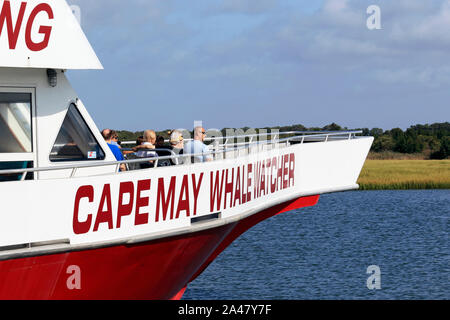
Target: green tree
<point x="383" y="143"/>
<point x="396" y="134"/>
<point x="332" y="127"/>
<point x="376" y="132"/>
<point x="444" y="150"/>
<point x="430" y="143"/>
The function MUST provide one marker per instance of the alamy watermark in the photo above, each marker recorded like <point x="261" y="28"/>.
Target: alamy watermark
<point x="236" y="136"/>
<point x="74" y="280"/>
<point x="374" y="20"/>
<point x="76" y="10"/>
<point x="374" y="280"/>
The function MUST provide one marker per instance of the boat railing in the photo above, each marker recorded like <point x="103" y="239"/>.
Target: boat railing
<point x="217" y="151"/>
<point x="251" y="137"/>
<point x="305" y="136"/>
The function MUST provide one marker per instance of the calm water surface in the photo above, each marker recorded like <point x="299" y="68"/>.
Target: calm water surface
<point x="323" y="252"/>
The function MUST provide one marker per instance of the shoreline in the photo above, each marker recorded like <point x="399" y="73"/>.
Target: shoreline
<point x="405" y="175"/>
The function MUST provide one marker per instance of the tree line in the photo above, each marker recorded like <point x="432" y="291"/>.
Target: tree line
<point x="432" y="140"/>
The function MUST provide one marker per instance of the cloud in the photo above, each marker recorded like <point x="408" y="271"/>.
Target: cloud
<point x="244" y="6"/>
<point x="413" y="42"/>
<point x="340" y="13"/>
<point x="336" y="35"/>
<point x="100" y="12"/>
<point x="236" y="55"/>
<point x="431" y="29"/>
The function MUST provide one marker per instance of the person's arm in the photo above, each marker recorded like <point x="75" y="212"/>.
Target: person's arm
<point x="119" y="157"/>
<point x="207" y="157"/>
<point x="144" y="146"/>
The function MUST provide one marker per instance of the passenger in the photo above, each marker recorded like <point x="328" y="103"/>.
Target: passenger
<point x="197" y="146"/>
<point x="163" y="150"/>
<point x="129" y="153"/>
<point x="139" y="140"/>
<point x="160" y="142"/>
<point x="105" y="133"/>
<point x="145" y="149"/>
<point x="115" y="149"/>
<point x="115" y="139"/>
<point x="177" y="142"/>
<point x="177" y="145"/>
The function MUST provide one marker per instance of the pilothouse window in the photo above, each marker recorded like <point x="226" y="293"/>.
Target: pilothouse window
<point x="15" y="122"/>
<point x="75" y="142"/>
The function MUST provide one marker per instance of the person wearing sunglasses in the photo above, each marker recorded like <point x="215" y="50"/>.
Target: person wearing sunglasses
<point x="197" y="146"/>
<point x="115" y="149"/>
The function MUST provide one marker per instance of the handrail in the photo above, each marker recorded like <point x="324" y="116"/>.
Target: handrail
<point x="157" y="158"/>
<point x="101" y="163"/>
<point x="303" y="138"/>
<point x="277" y="133"/>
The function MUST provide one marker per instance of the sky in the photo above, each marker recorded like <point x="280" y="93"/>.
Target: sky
<point x="259" y="63"/>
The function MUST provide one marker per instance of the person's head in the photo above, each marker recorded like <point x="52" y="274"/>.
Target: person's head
<point x="139" y="140"/>
<point x="199" y="133"/>
<point x="106" y="133"/>
<point x="176" y="139"/>
<point x="150" y="136"/>
<point x="114" y="136"/>
<point x="159" y="141"/>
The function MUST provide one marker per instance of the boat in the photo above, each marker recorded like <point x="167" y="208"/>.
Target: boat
<point x="73" y="226"/>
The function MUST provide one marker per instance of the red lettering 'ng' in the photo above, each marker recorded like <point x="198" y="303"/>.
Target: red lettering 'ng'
<point x="45" y="30"/>
<point x="5" y="16"/>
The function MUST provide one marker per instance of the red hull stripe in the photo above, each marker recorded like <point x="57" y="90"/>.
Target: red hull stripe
<point x="159" y="269"/>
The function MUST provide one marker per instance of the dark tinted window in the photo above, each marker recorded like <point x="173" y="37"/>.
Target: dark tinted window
<point x="75" y="142"/>
<point x="11" y="165"/>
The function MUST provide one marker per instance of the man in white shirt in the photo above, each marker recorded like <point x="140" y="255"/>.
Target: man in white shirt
<point x="197" y="146"/>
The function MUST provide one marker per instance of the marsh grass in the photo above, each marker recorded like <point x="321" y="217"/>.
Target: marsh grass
<point x="405" y="174"/>
<point x="391" y="155"/>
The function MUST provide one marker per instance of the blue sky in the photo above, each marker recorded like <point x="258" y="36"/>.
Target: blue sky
<point x="257" y="63"/>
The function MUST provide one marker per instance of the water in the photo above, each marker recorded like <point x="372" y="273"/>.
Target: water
<point x="323" y="252"/>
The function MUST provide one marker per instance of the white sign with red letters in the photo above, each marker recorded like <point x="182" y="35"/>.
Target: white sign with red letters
<point x="43" y="34"/>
